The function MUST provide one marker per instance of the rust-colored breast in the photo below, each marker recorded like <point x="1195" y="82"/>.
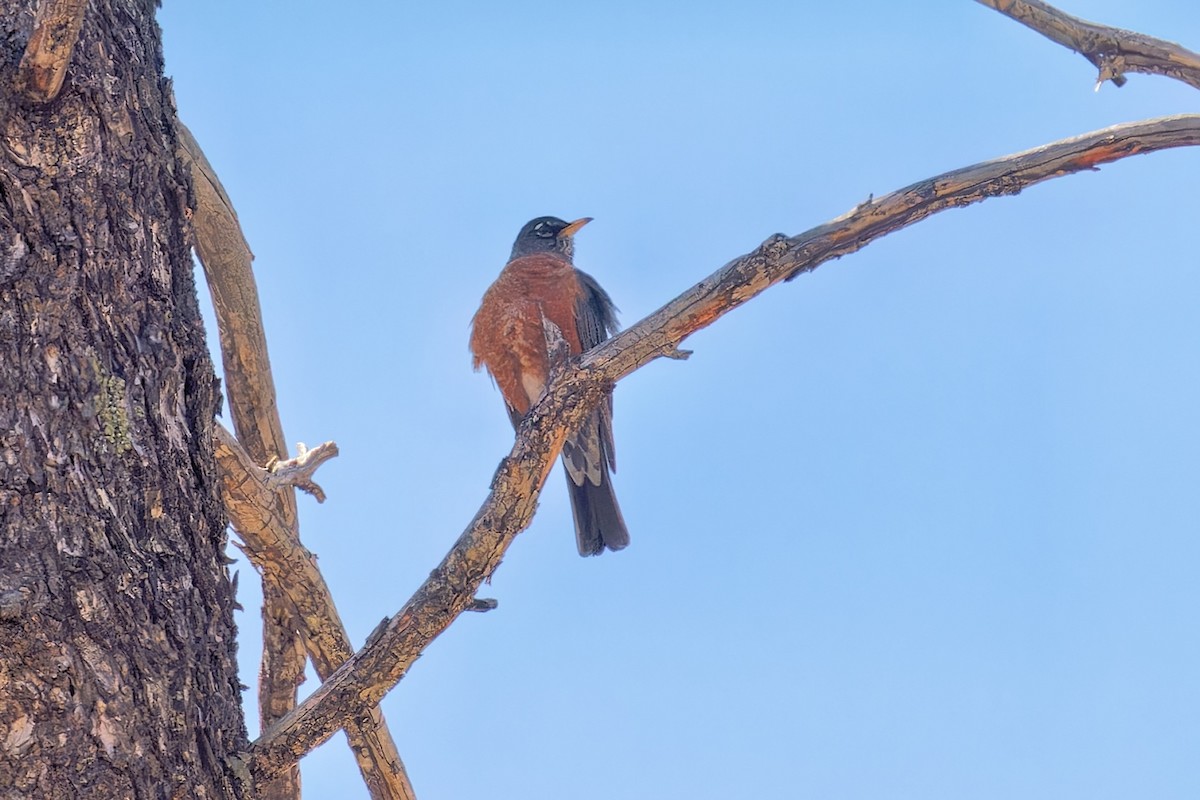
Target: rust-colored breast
<point x="506" y="333"/>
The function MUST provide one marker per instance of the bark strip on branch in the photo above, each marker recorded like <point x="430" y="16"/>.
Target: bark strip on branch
<point x="227" y="261"/>
<point x="250" y="392"/>
<point x="451" y="588"/>
<point x="1111" y="50"/>
<point x="43" y="66"/>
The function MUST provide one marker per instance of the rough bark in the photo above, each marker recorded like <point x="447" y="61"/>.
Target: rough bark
<point x="117" y="642"/>
<point x="44" y="65"/>
<point x="1111" y="50"/>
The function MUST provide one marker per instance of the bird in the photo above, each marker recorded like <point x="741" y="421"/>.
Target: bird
<point x="540" y="281"/>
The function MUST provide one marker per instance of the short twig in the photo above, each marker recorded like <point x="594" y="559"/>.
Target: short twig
<point x="482" y="604"/>
<point x="671" y="351"/>
<point x="298" y="471"/>
<point x="1111" y="50"/>
<point x="379" y="629"/>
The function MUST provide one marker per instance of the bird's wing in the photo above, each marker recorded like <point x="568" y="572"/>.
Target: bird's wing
<point x="595" y="314"/>
<point x="586" y="452"/>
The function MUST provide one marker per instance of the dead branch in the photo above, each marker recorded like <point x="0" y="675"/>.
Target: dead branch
<point x="227" y="261"/>
<point x="296" y="598"/>
<point x="250" y="392"/>
<point x="280" y="672"/>
<point x="43" y="66"/>
<point x="450" y="589"/>
<point x="298" y="471"/>
<point x="1111" y="50"/>
<point x="250" y="502"/>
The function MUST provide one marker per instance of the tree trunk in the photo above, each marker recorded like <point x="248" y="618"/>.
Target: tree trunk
<point x="117" y="642"/>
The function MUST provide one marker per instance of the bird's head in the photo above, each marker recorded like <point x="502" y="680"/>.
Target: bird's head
<point x="548" y="235"/>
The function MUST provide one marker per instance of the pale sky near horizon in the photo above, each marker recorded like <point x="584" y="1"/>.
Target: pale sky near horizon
<point x="921" y="524"/>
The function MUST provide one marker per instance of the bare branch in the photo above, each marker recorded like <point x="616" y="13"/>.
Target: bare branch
<point x="298" y="471"/>
<point x="1113" y="51"/>
<point x="227" y="260"/>
<point x="265" y="515"/>
<point x="451" y="588"/>
<point x="250" y="392"/>
<point x="286" y="564"/>
<point x="783" y="257"/>
<point x="280" y="672"/>
<point x="43" y="67"/>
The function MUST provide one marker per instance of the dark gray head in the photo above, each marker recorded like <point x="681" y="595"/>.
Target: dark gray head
<point x="548" y="235"/>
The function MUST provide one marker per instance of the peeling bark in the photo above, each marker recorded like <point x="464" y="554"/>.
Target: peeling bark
<point x="48" y="53"/>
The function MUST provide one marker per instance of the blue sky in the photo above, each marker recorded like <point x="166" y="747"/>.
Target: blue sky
<point x="920" y="524"/>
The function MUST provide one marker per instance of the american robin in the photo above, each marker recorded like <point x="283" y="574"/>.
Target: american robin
<point x="540" y="282"/>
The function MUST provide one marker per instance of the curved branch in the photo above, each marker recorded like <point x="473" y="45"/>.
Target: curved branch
<point x="450" y="589"/>
<point x="261" y="505"/>
<point x="1113" y="51"/>
<point x="250" y="393"/>
<point x="227" y="261"/>
<point x="783" y="258"/>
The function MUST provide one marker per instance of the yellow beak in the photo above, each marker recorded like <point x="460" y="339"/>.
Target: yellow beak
<point x="573" y="228"/>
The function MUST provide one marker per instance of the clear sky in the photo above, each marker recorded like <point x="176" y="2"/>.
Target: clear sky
<point x="921" y="524"/>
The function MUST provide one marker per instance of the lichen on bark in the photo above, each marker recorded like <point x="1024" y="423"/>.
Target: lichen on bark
<point x="117" y="643"/>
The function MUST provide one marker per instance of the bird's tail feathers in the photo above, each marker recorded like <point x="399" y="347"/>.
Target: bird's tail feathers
<point x="598" y="521"/>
